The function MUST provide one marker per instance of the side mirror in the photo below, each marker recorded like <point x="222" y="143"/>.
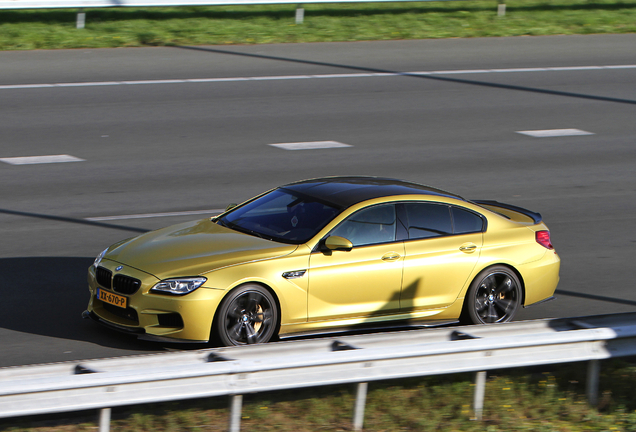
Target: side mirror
<point x="337" y="243"/>
<point x="230" y="206"/>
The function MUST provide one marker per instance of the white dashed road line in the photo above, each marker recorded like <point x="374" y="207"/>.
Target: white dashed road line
<point x="31" y="160"/>
<point x="554" y="133"/>
<point x="211" y="212"/>
<point x="312" y="145"/>
<point x="323" y="76"/>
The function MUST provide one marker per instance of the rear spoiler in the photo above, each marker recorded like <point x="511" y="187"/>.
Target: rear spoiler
<point x="536" y="217"/>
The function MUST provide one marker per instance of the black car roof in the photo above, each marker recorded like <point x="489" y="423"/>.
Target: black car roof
<point x="347" y="191"/>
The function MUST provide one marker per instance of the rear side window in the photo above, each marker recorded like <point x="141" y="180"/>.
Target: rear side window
<point x="428" y="220"/>
<point x="466" y="222"/>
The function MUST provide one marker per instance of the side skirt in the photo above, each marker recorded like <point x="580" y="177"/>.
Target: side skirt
<point x="370" y="327"/>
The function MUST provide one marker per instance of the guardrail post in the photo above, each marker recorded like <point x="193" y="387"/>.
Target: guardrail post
<point x="104" y="420"/>
<point x="300" y="14"/>
<point x="501" y="9"/>
<point x="81" y="19"/>
<point x="361" y="400"/>
<point x="591" y="385"/>
<point x="236" y="405"/>
<point x="480" y="390"/>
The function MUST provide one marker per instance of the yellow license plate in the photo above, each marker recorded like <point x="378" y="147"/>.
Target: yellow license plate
<point x="111" y="298"/>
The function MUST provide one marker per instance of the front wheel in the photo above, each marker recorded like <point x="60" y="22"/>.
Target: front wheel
<point x="248" y="315"/>
<point x="493" y="297"/>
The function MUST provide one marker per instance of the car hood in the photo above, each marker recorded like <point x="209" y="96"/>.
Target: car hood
<point x="193" y="248"/>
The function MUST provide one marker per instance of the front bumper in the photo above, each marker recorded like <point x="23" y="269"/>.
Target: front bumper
<point x="139" y="332"/>
<point x="153" y="316"/>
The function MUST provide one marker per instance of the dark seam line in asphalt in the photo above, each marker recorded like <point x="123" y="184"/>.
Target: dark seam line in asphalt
<point x="438" y="78"/>
<point x="596" y="297"/>
<point x="73" y="220"/>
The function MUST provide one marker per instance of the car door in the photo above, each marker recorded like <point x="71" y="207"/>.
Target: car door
<point x="364" y="281"/>
<point x="442" y="248"/>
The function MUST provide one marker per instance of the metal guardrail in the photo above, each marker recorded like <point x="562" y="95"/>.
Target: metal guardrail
<point x="86" y="4"/>
<point x="107" y="383"/>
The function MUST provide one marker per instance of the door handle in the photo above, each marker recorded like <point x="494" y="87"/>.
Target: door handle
<point x="468" y="247"/>
<point x="391" y="256"/>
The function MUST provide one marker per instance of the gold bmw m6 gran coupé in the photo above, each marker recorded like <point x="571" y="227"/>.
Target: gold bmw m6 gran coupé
<point x="322" y="255"/>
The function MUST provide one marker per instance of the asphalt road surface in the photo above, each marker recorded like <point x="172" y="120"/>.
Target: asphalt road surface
<point x="184" y="129"/>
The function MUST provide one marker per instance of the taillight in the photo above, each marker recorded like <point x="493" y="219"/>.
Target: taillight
<point x="543" y="238"/>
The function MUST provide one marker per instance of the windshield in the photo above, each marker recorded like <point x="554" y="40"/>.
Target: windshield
<point x="281" y="216"/>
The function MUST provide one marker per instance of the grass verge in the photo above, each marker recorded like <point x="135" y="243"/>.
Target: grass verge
<point x="538" y="399"/>
<point x="130" y="27"/>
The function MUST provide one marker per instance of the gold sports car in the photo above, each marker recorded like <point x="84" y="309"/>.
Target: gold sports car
<point x="323" y="255"/>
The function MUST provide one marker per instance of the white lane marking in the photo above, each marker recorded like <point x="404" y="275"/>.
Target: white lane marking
<point x="310" y="145"/>
<point x="154" y="215"/>
<point x="324" y="76"/>
<point x="30" y="160"/>
<point x="554" y="133"/>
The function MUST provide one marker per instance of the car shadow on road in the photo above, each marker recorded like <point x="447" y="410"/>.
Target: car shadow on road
<point x="416" y="75"/>
<point x="71" y="220"/>
<point x="596" y="297"/>
<point x="46" y="296"/>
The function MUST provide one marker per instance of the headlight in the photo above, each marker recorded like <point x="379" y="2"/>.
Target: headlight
<point x="99" y="257"/>
<point x="178" y="286"/>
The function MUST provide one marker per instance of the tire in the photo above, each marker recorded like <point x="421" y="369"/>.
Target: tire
<point x="493" y="297"/>
<point x="248" y="315"/>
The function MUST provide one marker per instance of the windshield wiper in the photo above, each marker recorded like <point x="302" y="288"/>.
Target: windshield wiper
<point x="247" y="231"/>
<point x="257" y="234"/>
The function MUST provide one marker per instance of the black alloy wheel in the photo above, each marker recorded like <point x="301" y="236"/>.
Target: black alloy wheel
<point x="493" y="297"/>
<point x="248" y="315"/>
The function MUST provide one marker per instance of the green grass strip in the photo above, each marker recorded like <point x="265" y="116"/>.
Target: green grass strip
<point x="132" y="27"/>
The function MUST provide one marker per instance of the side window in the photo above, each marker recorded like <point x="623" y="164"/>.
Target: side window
<point x="466" y="222"/>
<point x="428" y="220"/>
<point x="369" y="226"/>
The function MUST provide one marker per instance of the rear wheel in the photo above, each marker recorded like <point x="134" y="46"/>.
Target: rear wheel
<point x="248" y="315"/>
<point x="493" y="297"/>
